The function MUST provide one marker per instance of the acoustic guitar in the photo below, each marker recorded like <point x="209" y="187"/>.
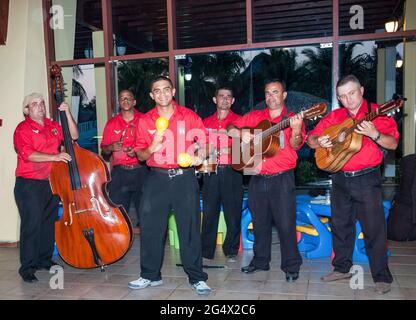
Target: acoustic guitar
<point x="266" y="140"/>
<point x="345" y="141"/>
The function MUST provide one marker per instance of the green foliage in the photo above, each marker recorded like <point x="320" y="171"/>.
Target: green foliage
<point x="137" y="75"/>
<point x="306" y="171"/>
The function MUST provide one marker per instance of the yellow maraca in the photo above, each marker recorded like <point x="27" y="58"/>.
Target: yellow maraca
<point x="161" y="124"/>
<point x="184" y="160"/>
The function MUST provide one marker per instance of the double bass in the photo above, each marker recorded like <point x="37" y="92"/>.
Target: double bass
<point x="92" y="232"/>
<point x="345" y="141"/>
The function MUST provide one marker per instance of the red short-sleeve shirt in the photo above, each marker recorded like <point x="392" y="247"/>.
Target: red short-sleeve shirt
<point x="286" y="157"/>
<point x="370" y="154"/>
<point x="118" y="129"/>
<point x="30" y="137"/>
<point x="185" y="128"/>
<point x="218" y="134"/>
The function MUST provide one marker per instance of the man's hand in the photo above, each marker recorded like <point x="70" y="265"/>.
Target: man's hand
<point x="368" y="129"/>
<point x="63" y="156"/>
<point x="324" y="142"/>
<point x="246" y="136"/>
<point x="296" y="123"/>
<point x="64" y="107"/>
<point x="196" y="161"/>
<point x="130" y="152"/>
<point x="156" y="144"/>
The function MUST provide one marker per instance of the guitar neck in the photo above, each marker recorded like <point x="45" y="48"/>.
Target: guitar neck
<point x="277" y="127"/>
<point x="370" y="116"/>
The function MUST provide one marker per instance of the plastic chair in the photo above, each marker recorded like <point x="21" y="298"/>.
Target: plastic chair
<point x="247" y="236"/>
<point x="315" y="240"/>
<point x="55" y="248"/>
<point x="173" y="231"/>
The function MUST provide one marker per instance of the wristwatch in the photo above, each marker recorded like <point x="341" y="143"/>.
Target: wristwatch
<point x="376" y="138"/>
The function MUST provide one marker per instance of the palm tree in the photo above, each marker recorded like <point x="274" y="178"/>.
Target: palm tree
<point x="209" y="71"/>
<point x="77" y="88"/>
<point x="137" y="75"/>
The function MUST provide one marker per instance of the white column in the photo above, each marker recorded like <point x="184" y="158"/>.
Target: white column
<point x="409" y="132"/>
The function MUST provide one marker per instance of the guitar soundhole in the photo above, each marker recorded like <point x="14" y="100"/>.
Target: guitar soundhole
<point x="341" y="136"/>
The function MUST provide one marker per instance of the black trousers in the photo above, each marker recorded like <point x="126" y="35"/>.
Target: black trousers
<point x="359" y="198"/>
<point x="160" y="195"/>
<point x="126" y="186"/>
<point x="272" y="199"/>
<point x="38" y="210"/>
<point x="223" y="187"/>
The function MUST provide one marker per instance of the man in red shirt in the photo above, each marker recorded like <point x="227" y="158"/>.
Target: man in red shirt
<point x="223" y="187"/>
<point x="37" y="141"/>
<point x="271" y="193"/>
<point x="170" y="187"/>
<point x="356" y="189"/>
<point x="119" y="138"/>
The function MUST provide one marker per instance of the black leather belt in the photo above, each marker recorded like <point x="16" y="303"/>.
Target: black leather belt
<point x="128" y="166"/>
<point x="267" y="176"/>
<point x="172" y="172"/>
<point x="223" y="166"/>
<point x="350" y="174"/>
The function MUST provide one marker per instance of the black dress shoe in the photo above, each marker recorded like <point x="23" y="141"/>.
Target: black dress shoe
<point x="29" y="277"/>
<point x="292" y="276"/>
<point x="251" y="268"/>
<point x="48" y="265"/>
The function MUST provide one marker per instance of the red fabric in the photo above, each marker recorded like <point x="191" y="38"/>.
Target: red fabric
<point x="185" y="127"/>
<point x="285" y="158"/>
<point x="370" y="154"/>
<point x="113" y="132"/>
<point x="217" y="133"/>
<point x="30" y="137"/>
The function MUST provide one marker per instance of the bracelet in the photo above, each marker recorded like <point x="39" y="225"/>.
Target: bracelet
<point x="376" y="138"/>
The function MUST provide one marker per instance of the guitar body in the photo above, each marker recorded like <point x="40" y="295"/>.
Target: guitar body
<point x="333" y="159"/>
<point x="251" y="153"/>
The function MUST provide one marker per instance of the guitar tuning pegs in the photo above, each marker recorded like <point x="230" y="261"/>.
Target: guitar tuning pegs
<point x="315" y="118"/>
<point x="398" y="110"/>
<point x="393" y="112"/>
<point x="389" y="114"/>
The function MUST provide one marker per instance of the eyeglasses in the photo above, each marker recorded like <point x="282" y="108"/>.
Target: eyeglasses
<point x="349" y="94"/>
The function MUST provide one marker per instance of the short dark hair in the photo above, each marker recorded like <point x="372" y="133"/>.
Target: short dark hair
<point x="224" y="87"/>
<point x="273" y="80"/>
<point x="346" y="79"/>
<point x="160" y="78"/>
<point x="126" y="90"/>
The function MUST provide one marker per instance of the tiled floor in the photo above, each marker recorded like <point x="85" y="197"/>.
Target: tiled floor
<point x="227" y="283"/>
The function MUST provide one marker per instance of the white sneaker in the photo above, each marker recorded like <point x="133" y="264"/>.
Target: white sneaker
<point x="142" y="283"/>
<point x="201" y="288"/>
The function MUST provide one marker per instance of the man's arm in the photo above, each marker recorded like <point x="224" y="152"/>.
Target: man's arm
<point x="155" y="146"/>
<point x="45" y="157"/>
<point x="368" y="129"/>
<point x="296" y="124"/>
<point x="73" y="128"/>
<point x="314" y="141"/>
